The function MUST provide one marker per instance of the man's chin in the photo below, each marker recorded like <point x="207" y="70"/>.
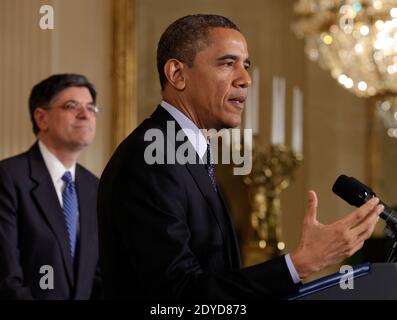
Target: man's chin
<point x="232" y="123"/>
<point x="80" y="144"/>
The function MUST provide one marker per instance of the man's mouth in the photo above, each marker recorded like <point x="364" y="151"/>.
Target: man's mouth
<point x="238" y="101"/>
<point x="82" y="126"/>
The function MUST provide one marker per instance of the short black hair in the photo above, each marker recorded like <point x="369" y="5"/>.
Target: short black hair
<point x="185" y="37"/>
<point x="44" y="92"/>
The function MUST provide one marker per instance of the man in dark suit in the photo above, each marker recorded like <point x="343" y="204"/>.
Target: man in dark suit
<point x="164" y="230"/>
<point x="48" y="224"/>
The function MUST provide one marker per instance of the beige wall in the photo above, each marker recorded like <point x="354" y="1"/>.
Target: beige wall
<point x="24" y="52"/>
<point x="336" y="138"/>
<point x="80" y="42"/>
<point x="386" y="186"/>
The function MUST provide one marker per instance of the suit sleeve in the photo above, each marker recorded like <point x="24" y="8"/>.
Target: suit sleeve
<point x="151" y="217"/>
<point x="11" y="274"/>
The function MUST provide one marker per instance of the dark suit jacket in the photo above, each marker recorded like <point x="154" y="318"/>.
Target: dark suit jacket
<point x="33" y="232"/>
<point x="165" y="233"/>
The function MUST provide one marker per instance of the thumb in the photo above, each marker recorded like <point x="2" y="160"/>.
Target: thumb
<point x="311" y="214"/>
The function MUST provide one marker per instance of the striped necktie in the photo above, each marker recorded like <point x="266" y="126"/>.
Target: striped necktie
<point x="210" y="167"/>
<point x="70" y="209"/>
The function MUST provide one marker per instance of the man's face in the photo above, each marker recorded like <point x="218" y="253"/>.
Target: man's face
<point x="69" y="128"/>
<point x="217" y="83"/>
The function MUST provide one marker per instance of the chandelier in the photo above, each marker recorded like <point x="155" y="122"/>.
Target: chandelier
<point x="356" y="41"/>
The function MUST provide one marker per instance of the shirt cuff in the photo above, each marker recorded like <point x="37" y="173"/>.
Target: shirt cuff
<point x="294" y="274"/>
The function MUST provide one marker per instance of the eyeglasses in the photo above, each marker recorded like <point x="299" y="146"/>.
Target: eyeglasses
<point x="76" y="107"/>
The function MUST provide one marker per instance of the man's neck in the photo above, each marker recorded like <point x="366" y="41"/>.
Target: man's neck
<point x="185" y="109"/>
<point x="67" y="157"/>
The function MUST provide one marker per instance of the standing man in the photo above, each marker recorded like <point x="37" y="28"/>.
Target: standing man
<point x="48" y="224"/>
<point x="164" y="228"/>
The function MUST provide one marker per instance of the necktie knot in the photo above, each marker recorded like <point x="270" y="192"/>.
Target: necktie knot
<point x="67" y="177"/>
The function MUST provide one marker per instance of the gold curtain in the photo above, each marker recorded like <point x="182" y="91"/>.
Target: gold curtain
<point x="124" y="70"/>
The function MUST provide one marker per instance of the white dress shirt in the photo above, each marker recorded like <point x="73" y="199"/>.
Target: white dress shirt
<point x="194" y="134"/>
<point x="199" y="142"/>
<point x="57" y="170"/>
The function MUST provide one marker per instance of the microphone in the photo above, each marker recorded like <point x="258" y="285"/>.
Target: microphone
<point x="356" y="194"/>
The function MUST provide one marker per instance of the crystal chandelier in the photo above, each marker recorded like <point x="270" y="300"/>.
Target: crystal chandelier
<point x="356" y="41"/>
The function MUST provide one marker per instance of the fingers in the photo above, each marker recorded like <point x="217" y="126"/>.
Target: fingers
<point x="366" y="233"/>
<point x="311" y="214"/>
<point x="369" y="222"/>
<point x="358" y="215"/>
<point x="355" y="248"/>
<point x="363" y="231"/>
<point x="358" y="244"/>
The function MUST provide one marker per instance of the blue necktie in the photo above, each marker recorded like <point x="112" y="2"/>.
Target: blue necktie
<point x="70" y="209"/>
<point x="211" y="167"/>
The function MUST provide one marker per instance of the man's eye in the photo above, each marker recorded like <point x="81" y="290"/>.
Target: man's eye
<point x="228" y="63"/>
<point x="71" y="106"/>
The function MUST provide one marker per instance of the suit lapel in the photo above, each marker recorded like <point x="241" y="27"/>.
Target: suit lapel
<point x="219" y="209"/>
<point x="234" y="243"/>
<point x="47" y="200"/>
<point x="203" y="182"/>
<point x="197" y="171"/>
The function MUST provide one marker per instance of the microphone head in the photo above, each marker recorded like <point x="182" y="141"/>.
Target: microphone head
<point x="351" y="190"/>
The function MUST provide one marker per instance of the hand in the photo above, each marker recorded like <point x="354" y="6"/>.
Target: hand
<point x="324" y="245"/>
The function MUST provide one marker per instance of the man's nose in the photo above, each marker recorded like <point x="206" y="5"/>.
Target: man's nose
<point x="243" y="79"/>
<point x="83" y="113"/>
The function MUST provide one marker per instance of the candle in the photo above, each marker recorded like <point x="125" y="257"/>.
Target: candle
<point x="248" y="115"/>
<point x="297" y="120"/>
<point x="278" y="111"/>
<point x="255" y="101"/>
<point x="251" y="116"/>
<point x="282" y="110"/>
<point x="248" y="110"/>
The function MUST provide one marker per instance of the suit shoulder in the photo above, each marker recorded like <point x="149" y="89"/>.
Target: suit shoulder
<point x="18" y="164"/>
<point x="132" y="147"/>
<point x="138" y="137"/>
<point x="87" y="175"/>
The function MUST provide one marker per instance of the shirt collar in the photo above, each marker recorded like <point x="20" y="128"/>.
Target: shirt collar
<point x="193" y="133"/>
<point x="54" y="165"/>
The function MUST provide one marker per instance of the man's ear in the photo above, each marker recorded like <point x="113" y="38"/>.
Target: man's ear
<point x="174" y="71"/>
<point x="40" y="116"/>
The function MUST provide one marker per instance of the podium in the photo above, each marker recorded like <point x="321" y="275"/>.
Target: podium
<point x="375" y="281"/>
